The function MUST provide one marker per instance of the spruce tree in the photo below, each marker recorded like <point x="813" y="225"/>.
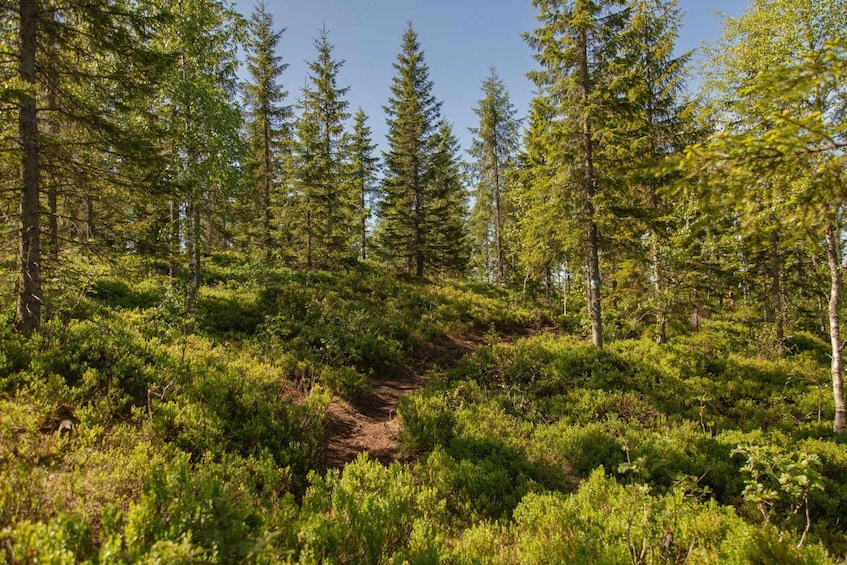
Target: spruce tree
<point x="324" y="200"/>
<point x="446" y="211"/>
<point x="363" y="169"/>
<point x="268" y="127"/>
<point x="413" y="118"/>
<point x="493" y="150"/>
<point x="578" y="47"/>
<point x="543" y="231"/>
<point x="661" y="124"/>
<point x="73" y="77"/>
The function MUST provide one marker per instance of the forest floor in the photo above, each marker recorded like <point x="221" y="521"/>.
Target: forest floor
<point x="370" y="425"/>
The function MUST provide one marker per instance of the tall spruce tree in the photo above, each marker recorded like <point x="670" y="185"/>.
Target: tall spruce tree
<point x="363" y="169"/>
<point x="542" y="231"/>
<point x="493" y="150"/>
<point x="73" y="73"/>
<point x="404" y="234"/>
<point x="268" y="127"/>
<point x="578" y="47"/>
<point x="327" y="222"/>
<point x="446" y="211"/>
<point x="661" y="124"/>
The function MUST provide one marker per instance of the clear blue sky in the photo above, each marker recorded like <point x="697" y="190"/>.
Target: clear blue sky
<point x="461" y="40"/>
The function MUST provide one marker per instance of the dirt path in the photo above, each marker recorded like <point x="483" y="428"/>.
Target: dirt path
<point x="371" y="425"/>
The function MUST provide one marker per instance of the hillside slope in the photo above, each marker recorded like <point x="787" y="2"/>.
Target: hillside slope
<point x="489" y="439"/>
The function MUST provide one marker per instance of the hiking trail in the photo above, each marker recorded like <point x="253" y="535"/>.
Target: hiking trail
<point x="370" y="425"/>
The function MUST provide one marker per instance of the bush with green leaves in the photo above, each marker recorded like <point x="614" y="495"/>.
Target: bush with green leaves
<point x="369" y="514"/>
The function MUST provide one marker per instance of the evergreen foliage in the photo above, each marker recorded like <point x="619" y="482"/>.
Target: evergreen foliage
<point x="363" y="169"/>
<point x="324" y="199"/>
<point x="74" y="75"/>
<point x="417" y="207"/>
<point x="493" y="149"/>
<point x="146" y="417"/>
<point x="579" y="47"/>
<point x="268" y="130"/>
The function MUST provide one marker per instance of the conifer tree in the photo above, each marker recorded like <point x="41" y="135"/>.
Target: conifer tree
<point x="543" y="233"/>
<point x="323" y="197"/>
<point x="363" y="168"/>
<point x="579" y="49"/>
<point x="493" y="150"/>
<point x="404" y="233"/>
<point x="446" y="212"/>
<point x="660" y="126"/>
<point x="268" y="127"/>
<point x="72" y="78"/>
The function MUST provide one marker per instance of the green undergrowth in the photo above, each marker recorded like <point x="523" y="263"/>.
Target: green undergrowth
<point x="693" y="451"/>
<point x="205" y="442"/>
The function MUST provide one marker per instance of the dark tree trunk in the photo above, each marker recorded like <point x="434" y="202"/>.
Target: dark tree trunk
<point x="364" y="226"/>
<point x="28" y="307"/>
<point x="419" y="226"/>
<point x="498" y="213"/>
<point x="266" y="186"/>
<point x="173" y="271"/>
<point x="308" y="239"/>
<point x="193" y="249"/>
<point x="90" y="231"/>
<point x="53" y="191"/>
<point x="593" y="237"/>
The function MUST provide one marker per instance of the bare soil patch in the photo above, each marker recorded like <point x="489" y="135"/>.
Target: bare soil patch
<point x="370" y="425"/>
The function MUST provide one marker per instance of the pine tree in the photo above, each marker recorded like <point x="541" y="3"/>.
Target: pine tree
<point x="493" y="150"/>
<point x="324" y="201"/>
<point x="413" y="116"/>
<point x="268" y="127"/>
<point x="579" y="49"/>
<point x="363" y="169"/>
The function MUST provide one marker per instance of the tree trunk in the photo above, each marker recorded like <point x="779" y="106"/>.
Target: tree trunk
<point x="661" y="315"/>
<point x="53" y="189"/>
<point x="776" y="292"/>
<point x="266" y="182"/>
<point x="28" y="307"/>
<point x="593" y="237"/>
<point x="193" y="248"/>
<point x="658" y="284"/>
<point x="173" y="244"/>
<point x="364" y="226"/>
<point x="90" y="232"/>
<point x="53" y="220"/>
<point x="498" y="212"/>
<point x="419" y="222"/>
<point x="833" y="255"/>
<point x="309" y="237"/>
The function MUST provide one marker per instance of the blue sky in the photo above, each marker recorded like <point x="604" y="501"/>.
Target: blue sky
<point x="461" y="39"/>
